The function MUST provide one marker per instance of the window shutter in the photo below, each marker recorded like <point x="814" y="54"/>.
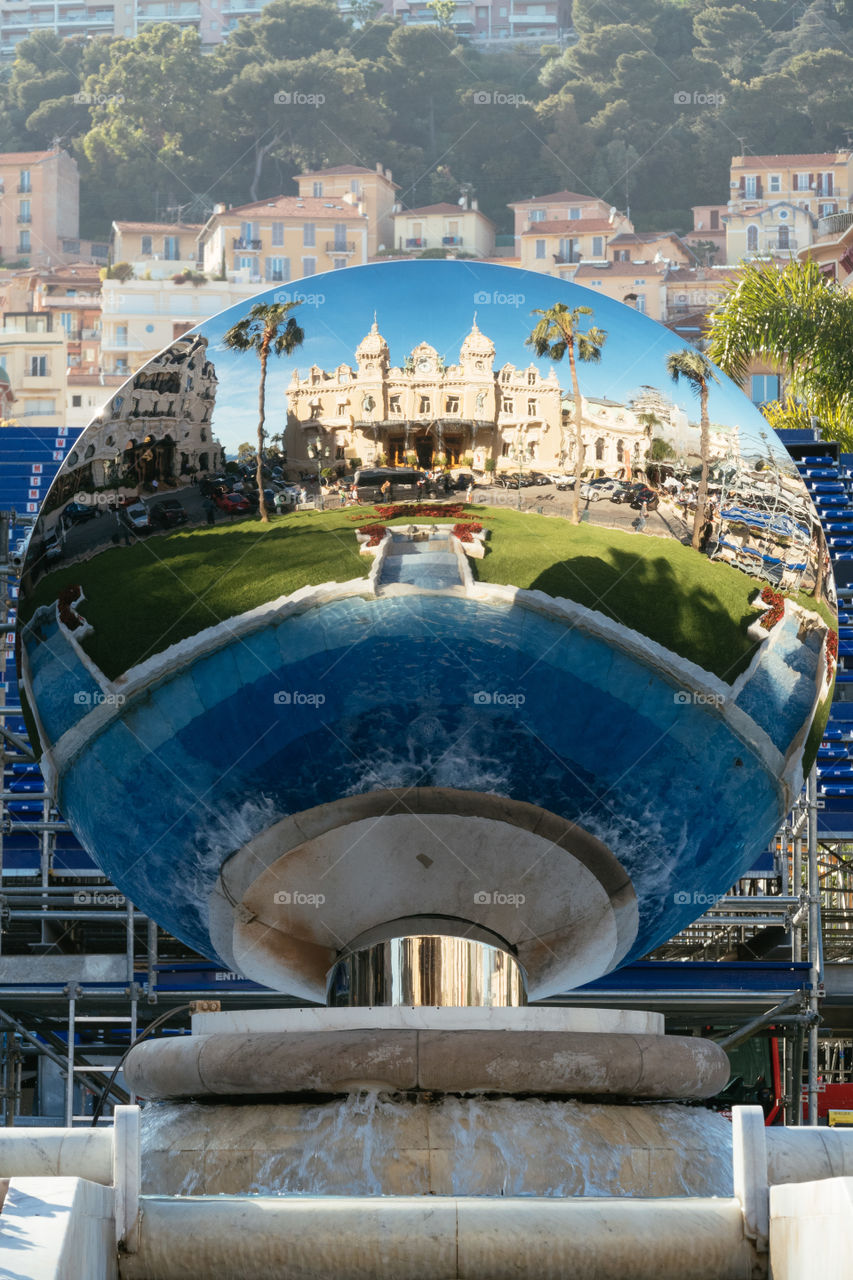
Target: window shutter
<point x="811" y="181"/>
<point x="758" y="189"/>
<point x="742" y="184"/>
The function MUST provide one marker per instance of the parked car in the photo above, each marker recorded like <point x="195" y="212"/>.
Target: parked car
<point x="598" y="490"/>
<point x="647" y="495"/>
<point x="539" y="479"/>
<point x="507" y="481"/>
<point x="212" y="485"/>
<point x="463" y="480"/>
<point x="403" y="480"/>
<point x="232" y="503"/>
<point x="51" y="546"/>
<point x="167" y="513"/>
<point x="78" y="512"/>
<point x="137" y="517"/>
<point x="626" y="493"/>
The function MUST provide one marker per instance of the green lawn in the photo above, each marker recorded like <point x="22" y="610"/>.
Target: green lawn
<point x="142" y="598"/>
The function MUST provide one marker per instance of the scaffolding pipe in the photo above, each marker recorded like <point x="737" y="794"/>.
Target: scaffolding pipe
<point x="69" y="1082"/>
<point x="797" y="932"/>
<point x="815" y="974"/>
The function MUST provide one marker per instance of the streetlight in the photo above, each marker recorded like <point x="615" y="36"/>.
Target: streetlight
<point x="318" y="451"/>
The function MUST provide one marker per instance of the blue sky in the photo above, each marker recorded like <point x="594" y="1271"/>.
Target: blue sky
<point x="435" y="301"/>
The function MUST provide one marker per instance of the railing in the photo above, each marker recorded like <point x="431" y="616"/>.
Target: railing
<point x="239" y="243"/>
<point x="416" y="242"/>
<point x="783" y="245"/>
<point x="340" y="246"/>
<point x="451" y="239"/>
<point x="835" y="223"/>
<point x="25" y="217"/>
<point x="24" y="189"/>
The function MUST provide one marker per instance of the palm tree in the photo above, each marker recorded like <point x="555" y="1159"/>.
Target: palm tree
<point x="555" y="334"/>
<point x="267" y="327"/>
<point x="802" y="321"/>
<point x="699" y="372"/>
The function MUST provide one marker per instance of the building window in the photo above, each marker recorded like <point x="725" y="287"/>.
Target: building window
<point x="24" y="245"/>
<point x="574" y="215"/>
<point x="66" y="320"/>
<point x="750" y="187"/>
<point x="394" y="405"/>
<point x="825" y="185"/>
<point x="598" y="246"/>
<point x="752" y="238"/>
<point x="317" y="190"/>
<point x="35" y="407"/>
<point x="342" y="409"/>
<point x="277" y="234"/>
<point x="121" y="335"/>
<point x="508" y="406"/>
<point x="505" y="375"/>
<point x="277" y="269"/>
<point x="801" y="182"/>
<point x="308" y="235"/>
<point x="171" y="248"/>
<point x="531" y="408"/>
<point x="25" y="181"/>
<point x="452" y="405"/>
<point x="309" y="266"/>
<point x="423" y="407"/>
<point x="25" y="211"/>
<point x="147" y="246"/>
<point x="540" y="248"/>
<point x="783" y="237"/>
<point x="599" y="450"/>
<point x="536" y="215"/>
<point x="715" y="219"/>
<point x="775" y="182"/>
<point x="38" y="366"/>
<point x="337" y="263"/>
<point x="76" y="402"/>
<point x="764" y="388"/>
<point x="505" y="449"/>
<point x="640" y="304"/>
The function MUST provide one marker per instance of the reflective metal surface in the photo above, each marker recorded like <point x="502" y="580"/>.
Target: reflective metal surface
<point x="427" y="969"/>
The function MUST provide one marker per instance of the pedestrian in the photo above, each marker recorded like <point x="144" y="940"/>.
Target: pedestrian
<point x="209" y="510"/>
<point x="469" y="492"/>
<point x="385" y="490"/>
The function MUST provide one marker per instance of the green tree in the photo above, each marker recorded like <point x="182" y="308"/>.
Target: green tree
<point x="660" y="450"/>
<point x="556" y="334"/>
<point x="730" y="39"/>
<point x="268" y="328"/>
<point x="696" y="369"/>
<point x="800" y="320"/>
<point x="245" y="452"/>
<point x="444" y="11"/>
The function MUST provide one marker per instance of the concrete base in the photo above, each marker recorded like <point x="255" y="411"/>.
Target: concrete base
<point x="811" y="1229"/>
<point x="543" y="1052"/>
<point x="58" y="1229"/>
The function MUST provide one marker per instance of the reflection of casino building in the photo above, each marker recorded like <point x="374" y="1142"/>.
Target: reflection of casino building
<point x="426" y="408"/>
<point x="157" y="427"/>
<point x="615" y="441"/>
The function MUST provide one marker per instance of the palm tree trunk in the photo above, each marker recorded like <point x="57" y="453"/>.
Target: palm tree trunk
<point x="576" y="496"/>
<point x="820" y="571"/>
<point x="704" y="447"/>
<point x="262" y="506"/>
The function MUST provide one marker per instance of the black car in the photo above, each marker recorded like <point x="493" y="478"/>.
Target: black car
<point x="508" y="482"/>
<point x="78" y="512"/>
<point x="368" y="482"/>
<point x="538" y="479"/>
<point x="462" y="482"/>
<point x="167" y="514"/>
<point x="626" y="493"/>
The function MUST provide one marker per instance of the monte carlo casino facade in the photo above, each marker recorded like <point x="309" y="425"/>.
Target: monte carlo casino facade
<point x="427" y="408"/>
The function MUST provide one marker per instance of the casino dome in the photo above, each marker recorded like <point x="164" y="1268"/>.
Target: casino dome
<point x="485" y="717"/>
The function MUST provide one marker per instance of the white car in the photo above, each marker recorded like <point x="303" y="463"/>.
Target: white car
<point x="598" y="489"/>
<point x="137" y="517"/>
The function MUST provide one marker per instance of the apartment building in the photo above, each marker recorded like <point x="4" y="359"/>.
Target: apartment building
<point x="155" y="250"/>
<point x="638" y="284"/>
<point x="87" y="394"/>
<point x="373" y="190"/>
<point x="483" y="21"/>
<point x="774" y="230"/>
<point x="555" y="207"/>
<point x="456" y="228"/>
<point x="72" y="296"/>
<point x="141" y="317"/>
<point x="283" y="238"/>
<point x="39" y="206"/>
<point x="634" y="246"/>
<point x="556" y="246"/>
<point x="776" y="201"/>
<point x="709" y="227"/>
<point x="33" y="356"/>
<point x="832" y="249"/>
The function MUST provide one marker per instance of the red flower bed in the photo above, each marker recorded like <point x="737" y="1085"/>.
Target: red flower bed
<point x="465" y="531"/>
<point x="777" y="607"/>
<point x="409" y="510"/>
<point x="831" y="652"/>
<point x="65" y="601"/>
<point x="376" y="533"/>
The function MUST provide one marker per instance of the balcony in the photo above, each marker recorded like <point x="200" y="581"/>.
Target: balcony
<point x="782" y="246"/>
<point x="562" y="259"/>
<point x="239" y="243"/>
<point x="457" y="240"/>
<point x="415" y="242"/>
<point x="22" y="250"/>
<point x="24" y="189"/>
<point x="534" y="20"/>
<point x="340" y="246"/>
<point x="25" y="217"/>
<point x="835" y="224"/>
